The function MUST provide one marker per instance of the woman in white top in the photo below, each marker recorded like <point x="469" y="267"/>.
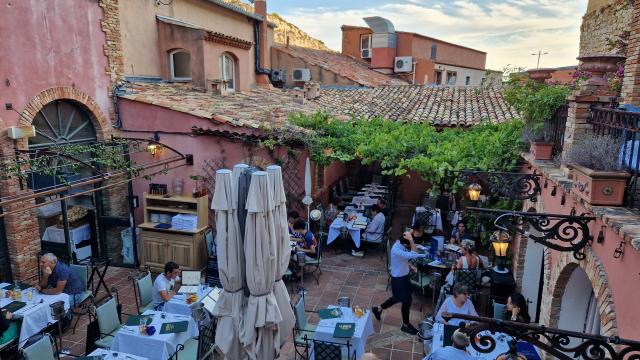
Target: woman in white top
<point x="458" y="302"/>
<point x="469" y="260"/>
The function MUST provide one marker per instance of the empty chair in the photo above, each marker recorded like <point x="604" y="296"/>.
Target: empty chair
<point x="82" y="272"/>
<point x="143" y="292"/>
<point x="499" y="311"/>
<point x="200" y="348"/>
<point x="40" y="350"/>
<point x="108" y="323"/>
<point x="327" y="350"/>
<point x="303" y="331"/>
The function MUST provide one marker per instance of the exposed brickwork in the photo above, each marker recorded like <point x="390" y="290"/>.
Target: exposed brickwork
<point x="522" y="242"/>
<point x="604" y="24"/>
<point x="110" y="24"/>
<point x="578" y="112"/>
<point x="631" y="84"/>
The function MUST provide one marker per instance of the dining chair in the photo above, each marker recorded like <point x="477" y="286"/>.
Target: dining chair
<point x="143" y="289"/>
<point x="314" y="263"/>
<point x="328" y="350"/>
<point x="40" y="350"/>
<point x="422" y="281"/>
<point x="200" y="348"/>
<point x="81" y="308"/>
<point x="499" y="311"/>
<point x="108" y="323"/>
<point x="302" y="331"/>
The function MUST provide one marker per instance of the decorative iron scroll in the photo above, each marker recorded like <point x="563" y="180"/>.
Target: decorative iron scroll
<point x="556" y="231"/>
<point x="506" y="184"/>
<point x="563" y="344"/>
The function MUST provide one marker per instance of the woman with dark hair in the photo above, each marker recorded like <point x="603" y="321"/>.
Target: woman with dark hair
<point x="518" y="309"/>
<point x="417" y="231"/>
<point x="459" y="233"/>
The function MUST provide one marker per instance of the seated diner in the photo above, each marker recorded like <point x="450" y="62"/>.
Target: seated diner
<point x="164" y="287"/>
<point x="459" y="303"/>
<point x="58" y="278"/>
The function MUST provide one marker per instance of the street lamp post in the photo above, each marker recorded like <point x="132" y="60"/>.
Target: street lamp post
<point x="539" y="54"/>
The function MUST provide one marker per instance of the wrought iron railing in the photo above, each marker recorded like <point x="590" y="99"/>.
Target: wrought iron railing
<point x="558" y="125"/>
<point x="623" y="126"/>
<point x="563" y="344"/>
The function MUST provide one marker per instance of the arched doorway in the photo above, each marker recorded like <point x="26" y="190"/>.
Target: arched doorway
<point x="579" y="306"/>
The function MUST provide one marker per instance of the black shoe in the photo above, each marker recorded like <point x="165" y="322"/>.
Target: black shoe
<point x="376" y="312"/>
<point x="409" y="329"/>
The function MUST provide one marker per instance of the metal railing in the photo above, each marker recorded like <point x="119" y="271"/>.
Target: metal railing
<point x="558" y="125"/>
<point x="624" y="127"/>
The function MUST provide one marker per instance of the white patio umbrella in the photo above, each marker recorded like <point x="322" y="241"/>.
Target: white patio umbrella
<point x="229" y="307"/>
<point x="307" y="200"/>
<point x="283" y="254"/>
<point x="260" y="335"/>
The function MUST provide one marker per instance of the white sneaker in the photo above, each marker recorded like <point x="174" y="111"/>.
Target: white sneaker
<point x="357" y="253"/>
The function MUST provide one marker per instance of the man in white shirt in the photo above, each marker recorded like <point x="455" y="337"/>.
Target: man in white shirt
<point x="458" y="350"/>
<point x="401" y="252"/>
<point x="374" y="230"/>
<point x="164" y="287"/>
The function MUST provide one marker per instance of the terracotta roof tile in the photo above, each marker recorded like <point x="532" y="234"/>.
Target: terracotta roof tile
<point x="342" y="65"/>
<point x="440" y="106"/>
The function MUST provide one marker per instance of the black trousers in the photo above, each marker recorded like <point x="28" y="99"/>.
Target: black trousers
<point x="400" y="293"/>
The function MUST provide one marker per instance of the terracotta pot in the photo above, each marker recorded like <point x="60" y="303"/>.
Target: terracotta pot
<point x="540" y="75"/>
<point x="599" y="187"/>
<point x="599" y="66"/>
<point x="541" y="150"/>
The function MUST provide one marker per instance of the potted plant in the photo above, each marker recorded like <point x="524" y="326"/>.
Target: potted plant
<point x="539" y="136"/>
<point x="596" y="170"/>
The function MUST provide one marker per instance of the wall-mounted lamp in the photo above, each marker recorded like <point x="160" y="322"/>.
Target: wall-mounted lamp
<point x="619" y="251"/>
<point x="554" y="191"/>
<point x="600" y="238"/>
<point x="154" y="148"/>
<point x="474" y="191"/>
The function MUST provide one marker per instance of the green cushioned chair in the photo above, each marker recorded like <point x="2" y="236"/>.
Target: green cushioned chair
<point x="144" y="287"/>
<point x="303" y="331"/>
<point x="202" y="347"/>
<point x="82" y="272"/>
<point x="40" y="350"/>
<point x="108" y="323"/>
<point x="499" y="311"/>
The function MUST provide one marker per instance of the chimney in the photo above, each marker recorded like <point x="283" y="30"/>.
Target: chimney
<point x="260" y="8"/>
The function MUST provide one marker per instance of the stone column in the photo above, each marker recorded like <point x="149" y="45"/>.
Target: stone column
<point x="631" y="83"/>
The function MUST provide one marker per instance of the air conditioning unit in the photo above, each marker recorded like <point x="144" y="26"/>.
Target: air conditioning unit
<point x="301" y="74"/>
<point x="365" y="53"/>
<point x="403" y="64"/>
<point x="278" y="75"/>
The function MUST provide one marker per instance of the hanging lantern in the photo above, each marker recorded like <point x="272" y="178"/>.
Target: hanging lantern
<point x="474" y="191"/>
<point x="500" y="241"/>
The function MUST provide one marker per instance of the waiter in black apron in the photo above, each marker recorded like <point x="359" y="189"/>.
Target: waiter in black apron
<point x="402" y="251"/>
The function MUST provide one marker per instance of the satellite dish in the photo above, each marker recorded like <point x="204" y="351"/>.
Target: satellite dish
<point x="315" y="215"/>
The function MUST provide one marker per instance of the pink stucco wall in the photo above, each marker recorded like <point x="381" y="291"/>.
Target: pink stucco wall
<point x="622" y="273"/>
<point x="175" y="131"/>
<point x="50" y="44"/>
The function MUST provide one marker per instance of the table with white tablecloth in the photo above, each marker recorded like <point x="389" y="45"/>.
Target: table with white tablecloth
<point x="354" y="231"/>
<point x="502" y="345"/>
<point x="76" y="236"/>
<point x="114" y="355"/>
<point x="157" y="346"/>
<point x="364" y="329"/>
<point x="364" y="201"/>
<point x="178" y="304"/>
<point x="36" y="314"/>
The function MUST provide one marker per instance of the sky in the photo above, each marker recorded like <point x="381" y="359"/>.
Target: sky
<point x="509" y="31"/>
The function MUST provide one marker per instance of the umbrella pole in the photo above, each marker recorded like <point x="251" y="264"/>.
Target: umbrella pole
<point x="300" y="257"/>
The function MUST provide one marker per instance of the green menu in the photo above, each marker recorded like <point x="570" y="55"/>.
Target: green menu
<point x="329" y="313"/>
<point x="14" y="306"/>
<point x="344" y="330"/>
<point x="174" y="327"/>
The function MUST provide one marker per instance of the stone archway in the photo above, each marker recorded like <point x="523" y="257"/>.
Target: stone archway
<point x="556" y="279"/>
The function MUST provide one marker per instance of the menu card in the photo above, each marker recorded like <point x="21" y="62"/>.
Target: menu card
<point x="344" y="330"/>
<point x="174" y="327"/>
<point x="329" y="313"/>
<point x="14" y="306"/>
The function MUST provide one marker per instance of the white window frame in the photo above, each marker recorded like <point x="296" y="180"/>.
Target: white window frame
<point x="171" y="68"/>
<point x="230" y="86"/>
<point x="370" y="36"/>
<point x="454" y="77"/>
<point x="467" y="80"/>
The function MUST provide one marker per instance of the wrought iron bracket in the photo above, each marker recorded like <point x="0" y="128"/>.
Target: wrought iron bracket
<point x="563" y="344"/>
<point x="517" y="186"/>
<point x="556" y="231"/>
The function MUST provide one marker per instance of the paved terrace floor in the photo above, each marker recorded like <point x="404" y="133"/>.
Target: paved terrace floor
<point x="364" y="280"/>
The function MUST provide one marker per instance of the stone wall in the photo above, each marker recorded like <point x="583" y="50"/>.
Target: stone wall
<point x="110" y="25"/>
<point x="631" y="84"/>
<point x="603" y="25"/>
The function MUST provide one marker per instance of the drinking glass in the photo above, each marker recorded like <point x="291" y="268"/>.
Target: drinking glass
<point x="203" y="283"/>
<point x="143" y="324"/>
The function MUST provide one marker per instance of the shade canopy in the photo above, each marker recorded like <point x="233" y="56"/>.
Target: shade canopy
<point x="307" y="184"/>
<point x="231" y="267"/>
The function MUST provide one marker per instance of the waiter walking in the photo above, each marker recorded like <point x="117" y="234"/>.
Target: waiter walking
<point x="401" y="252"/>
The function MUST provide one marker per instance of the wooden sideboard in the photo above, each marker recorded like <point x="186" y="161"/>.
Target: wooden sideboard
<point x="158" y="246"/>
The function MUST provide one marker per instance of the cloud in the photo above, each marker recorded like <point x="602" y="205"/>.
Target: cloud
<point x="509" y="31"/>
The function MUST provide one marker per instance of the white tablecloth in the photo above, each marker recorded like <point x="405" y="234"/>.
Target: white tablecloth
<point x="35" y="315"/>
<point x="177" y="304"/>
<point x="76" y="235"/>
<point x="364" y="329"/>
<point x="364" y="200"/>
<point x="157" y="346"/>
<point x="502" y="346"/>
<point x="436" y="218"/>
<point x="334" y="229"/>
<point x="109" y="355"/>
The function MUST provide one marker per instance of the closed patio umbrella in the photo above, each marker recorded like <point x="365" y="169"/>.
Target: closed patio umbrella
<point x="283" y="254"/>
<point x="241" y="177"/>
<point x="259" y="335"/>
<point x="307" y="200"/>
<point x="228" y="309"/>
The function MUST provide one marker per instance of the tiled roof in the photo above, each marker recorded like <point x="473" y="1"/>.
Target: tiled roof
<point x="440" y="106"/>
<point x="250" y="110"/>
<point x="342" y="65"/>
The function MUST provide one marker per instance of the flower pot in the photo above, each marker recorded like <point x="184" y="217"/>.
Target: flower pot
<point x="540" y="75"/>
<point x="599" y="66"/>
<point x="599" y="187"/>
<point x="541" y="150"/>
